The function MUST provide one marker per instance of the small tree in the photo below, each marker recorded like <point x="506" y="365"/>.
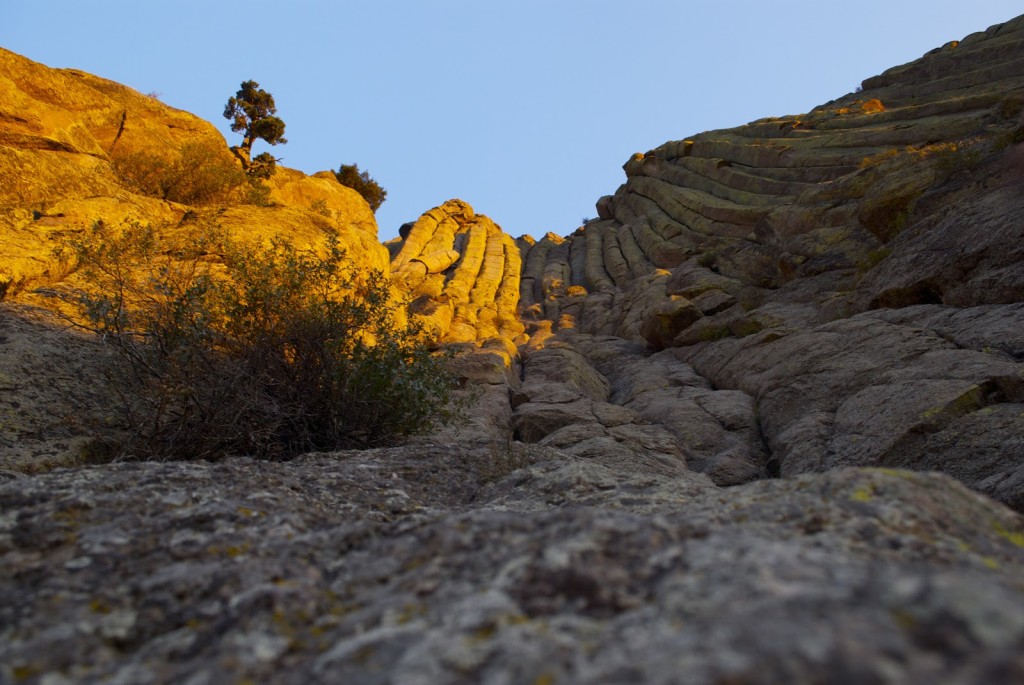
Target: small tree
<point x="252" y="113"/>
<point x="350" y="176"/>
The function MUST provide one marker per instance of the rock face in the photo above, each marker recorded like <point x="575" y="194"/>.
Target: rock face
<point x="856" y="272"/>
<point x="704" y="442"/>
<point x="463" y="273"/>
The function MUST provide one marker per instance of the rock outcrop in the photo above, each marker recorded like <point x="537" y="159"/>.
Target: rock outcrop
<point x="61" y="131"/>
<point x="462" y="272"/>
<point x="663" y="476"/>
<point x="817" y="264"/>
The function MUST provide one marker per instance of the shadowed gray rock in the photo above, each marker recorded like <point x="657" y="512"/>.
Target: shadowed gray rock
<point x="884" y="389"/>
<point x="404" y="566"/>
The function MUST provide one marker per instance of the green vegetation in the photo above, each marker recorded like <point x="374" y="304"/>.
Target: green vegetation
<point x="506" y="459"/>
<point x="269" y="352"/>
<point x="873" y="259"/>
<point x="714" y="331"/>
<point x="261" y="167"/>
<point x="1010" y="107"/>
<point x="252" y="113"/>
<point x="321" y="208"/>
<point x="197" y="174"/>
<point x="959" y="158"/>
<point x="708" y="259"/>
<point x="350" y="176"/>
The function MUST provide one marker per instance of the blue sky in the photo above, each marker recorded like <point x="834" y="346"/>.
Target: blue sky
<point x="526" y="109"/>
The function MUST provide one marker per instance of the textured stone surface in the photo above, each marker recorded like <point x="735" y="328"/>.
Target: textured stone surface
<point x="463" y="274"/>
<point x="788" y="260"/>
<point x="52" y="393"/>
<point x="797" y="297"/>
<point x="406" y="566"/>
<point x="905" y="193"/>
<point x="882" y="388"/>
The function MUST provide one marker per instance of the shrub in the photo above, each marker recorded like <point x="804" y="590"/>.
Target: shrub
<point x="262" y="167"/>
<point x="199" y="174"/>
<point x="257" y="193"/>
<point x="874" y="258"/>
<point x="350" y="176"/>
<point x="268" y="352"/>
<point x="320" y="207"/>
<point x="708" y="259"/>
<point x="960" y="158"/>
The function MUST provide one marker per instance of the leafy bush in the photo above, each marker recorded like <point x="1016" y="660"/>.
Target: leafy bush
<point x="269" y="352"/>
<point x="199" y="174"/>
<point x="708" y="259"/>
<point x="257" y="193"/>
<point x="350" y="176"/>
<point x="320" y="207"/>
<point x="959" y="158"/>
<point x="262" y="167"/>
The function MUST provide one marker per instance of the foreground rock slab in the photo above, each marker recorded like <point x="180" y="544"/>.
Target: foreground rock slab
<point x="419" y="565"/>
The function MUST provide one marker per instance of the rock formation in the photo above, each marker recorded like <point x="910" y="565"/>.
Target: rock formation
<point x="856" y="272"/>
<point x="462" y="273"/>
<point x="61" y="133"/>
<point x="663" y="476"/>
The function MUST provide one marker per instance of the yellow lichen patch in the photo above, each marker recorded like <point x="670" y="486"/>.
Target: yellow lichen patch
<point x="236" y="550"/>
<point x="490" y="629"/>
<point x="484" y="632"/>
<point x="98" y="606"/>
<point x="23" y="673"/>
<point x="410" y="611"/>
<point x="895" y="473"/>
<point x="231" y="551"/>
<point x="865" y="493"/>
<point x="904" y="619"/>
<point x="1014" y="537"/>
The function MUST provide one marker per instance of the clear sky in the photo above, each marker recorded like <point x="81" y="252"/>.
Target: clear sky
<point x="526" y="109"/>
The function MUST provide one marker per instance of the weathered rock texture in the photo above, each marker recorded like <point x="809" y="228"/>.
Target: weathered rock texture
<point x="856" y="273"/>
<point x="662" y="478"/>
<point x="403" y="567"/>
<point x="463" y="273"/>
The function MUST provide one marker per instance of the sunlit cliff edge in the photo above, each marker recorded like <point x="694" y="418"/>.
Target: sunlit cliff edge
<point x="666" y="401"/>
